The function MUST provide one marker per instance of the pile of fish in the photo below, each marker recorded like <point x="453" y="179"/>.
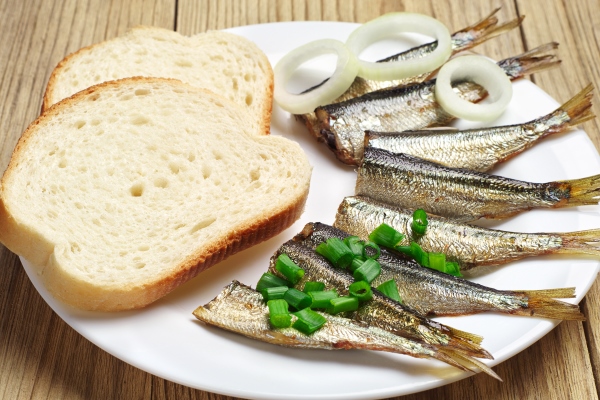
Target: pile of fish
<point x="384" y="129"/>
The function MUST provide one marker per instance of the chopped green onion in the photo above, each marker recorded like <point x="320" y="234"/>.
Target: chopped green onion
<point x="312" y="286"/>
<point x="361" y="290"/>
<point x="320" y="299"/>
<point x="356" y="263"/>
<point x="274" y="292"/>
<point x="308" y="321"/>
<point x="355" y="245"/>
<point x="437" y="261"/>
<point x="342" y="304"/>
<point x="336" y="252"/>
<point x="419" y="222"/>
<point x="415" y="251"/>
<point x="368" y="271"/>
<point x="452" y="268"/>
<point x="297" y="299"/>
<point x="385" y="235"/>
<point x="269" y="280"/>
<point x="389" y="289"/>
<point x="279" y="315"/>
<point x="371" y="254"/>
<point x="288" y="268"/>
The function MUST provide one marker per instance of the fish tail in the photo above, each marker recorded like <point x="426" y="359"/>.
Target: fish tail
<point x="560" y="293"/>
<point x="488" y="28"/>
<point x="468" y="343"/>
<point x="468" y="363"/>
<point x="579" y="107"/>
<point x="545" y="307"/>
<point x="471" y="337"/>
<point x="581" y="192"/>
<point x="577" y="110"/>
<point x="532" y="61"/>
<point x="581" y="242"/>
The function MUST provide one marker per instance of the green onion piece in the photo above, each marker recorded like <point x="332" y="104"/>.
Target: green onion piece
<point x="356" y="263"/>
<point x="375" y="253"/>
<point x="269" y="280"/>
<point x="297" y="299"/>
<point x="278" y="313"/>
<point x="274" y="292"/>
<point x="386" y="236"/>
<point x="452" y="268"/>
<point x="437" y="261"/>
<point x="355" y="245"/>
<point x="308" y="321"/>
<point x="416" y="252"/>
<point x="361" y="290"/>
<point x="389" y="289"/>
<point x="342" y="304"/>
<point x="419" y="222"/>
<point x="312" y="286"/>
<point x="336" y="252"/>
<point x="288" y="268"/>
<point x="368" y="271"/>
<point x="321" y="298"/>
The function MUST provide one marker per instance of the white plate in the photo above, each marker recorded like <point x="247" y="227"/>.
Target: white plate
<point x="166" y="340"/>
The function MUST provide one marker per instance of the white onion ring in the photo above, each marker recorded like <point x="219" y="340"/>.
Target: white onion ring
<point x="390" y="24"/>
<point x="343" y="76"/>
<point x="482" y="71"/>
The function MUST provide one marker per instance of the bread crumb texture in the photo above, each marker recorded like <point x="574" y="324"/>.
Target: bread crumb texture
<point x="224" y="63"/>
<point x="135" y="181"/>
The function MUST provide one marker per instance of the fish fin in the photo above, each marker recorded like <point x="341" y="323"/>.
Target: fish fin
<point x="468" y="343"/>
<point x="579" y="107"/>
<point x="530" y="62"/>
<point x="488" y="28"/>
<point x="560" y="293"/>
<point x="471" y="337"/>
<point x="470" y="362"/>
<point x="583" y="191"/>
<point x="551" y="308"/>
<point x="580" y="242"/>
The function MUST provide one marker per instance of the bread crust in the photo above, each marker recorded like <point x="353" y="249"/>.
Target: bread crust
<point x="28" y="243"/>
<point x="49" y="97"/>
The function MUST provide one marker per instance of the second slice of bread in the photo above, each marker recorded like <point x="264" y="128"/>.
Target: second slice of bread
<point x="126" y="190"/>
<point x="226" y="64"/>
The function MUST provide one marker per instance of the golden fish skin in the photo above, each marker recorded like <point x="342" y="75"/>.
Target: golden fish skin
<point x="342" y="125"/>
<point x="431" y="292"/>
<point x="241" y="309"/>
<point x="469" y="245"/>
<point x="482" y="148"/>
<point x="410" y="182"/>
<point x="462" y="40"/>
<point x="381" y="311"/>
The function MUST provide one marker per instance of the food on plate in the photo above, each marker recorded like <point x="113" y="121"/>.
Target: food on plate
<point x="241" y="309"/>
<point x="342" y="125"/>
<point x="480" y="149"/>
<point x="410" y="182"/>
<point x="469" y="245"/>
<point x="462" y="40"/>
<point x="128" y="189"/>
<point x="430" y="292"/>
<point x="221" y="62"/>
<point x="381" y="311"/>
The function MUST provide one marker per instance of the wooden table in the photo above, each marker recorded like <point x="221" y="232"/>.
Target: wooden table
<point x="41" y="357"/>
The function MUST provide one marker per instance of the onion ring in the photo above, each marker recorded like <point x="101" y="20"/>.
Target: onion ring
<point x="345" y="71"/>
<point x="390" y="24"/>
<point x="482" y="71"/>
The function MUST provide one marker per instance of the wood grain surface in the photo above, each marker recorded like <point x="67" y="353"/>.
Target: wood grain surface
<point x="41" y="357"/>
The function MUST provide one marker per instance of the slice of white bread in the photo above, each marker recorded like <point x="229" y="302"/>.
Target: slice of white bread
<point x="222" y="62"/>
<point x="127" y="189"/>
